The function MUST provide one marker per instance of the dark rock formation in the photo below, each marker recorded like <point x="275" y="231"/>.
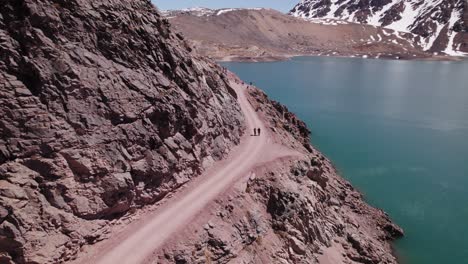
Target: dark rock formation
<point x="103" y="108"/>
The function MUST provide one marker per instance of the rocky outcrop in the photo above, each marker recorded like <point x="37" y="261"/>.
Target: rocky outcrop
<point x="295" y="210"/>
<point x="443" y="25"/>
<point x="104" y="109"/>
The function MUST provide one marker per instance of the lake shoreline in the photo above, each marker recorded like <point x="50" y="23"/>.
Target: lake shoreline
<point x="286" y="57"/>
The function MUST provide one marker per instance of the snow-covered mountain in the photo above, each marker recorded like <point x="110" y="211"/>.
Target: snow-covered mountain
<point x="443" y="24"/>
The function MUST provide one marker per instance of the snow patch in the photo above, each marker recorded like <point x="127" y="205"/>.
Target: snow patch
<point x="387" y="34"/>
<point x="450" y="50"/>
<point x="224" y="11"/>
<point x="429" y="42"/>
<point x="375" y="19"/>
<point x="199" y="11"/>
<point x="327" y="21"/>
<point x="202" y="11"/>
<point x="408" y="16"/>
<point x="227" y="10"/>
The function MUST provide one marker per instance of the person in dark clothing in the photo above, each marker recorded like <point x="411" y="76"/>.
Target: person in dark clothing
<point x="255" y="132"/>
<point x="258" y="129"/>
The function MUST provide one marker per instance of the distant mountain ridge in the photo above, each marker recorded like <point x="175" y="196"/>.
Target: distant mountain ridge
<point x="203" y="11"/>
<point x="443" y="24"/>
<point x="265" y="34"/>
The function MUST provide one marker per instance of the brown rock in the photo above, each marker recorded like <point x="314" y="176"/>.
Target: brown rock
<point x="318" y="176"/>
<point x="3" y="213"/>
<point x="297" y="246"/>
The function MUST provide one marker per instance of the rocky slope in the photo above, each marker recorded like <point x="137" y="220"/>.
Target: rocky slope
<point x="442" y="24"/>
<point x="287" y="211"/>
<point x="265" y="34"/>
<point x="103" y="110"/>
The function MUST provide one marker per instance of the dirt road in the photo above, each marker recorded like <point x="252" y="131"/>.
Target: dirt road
<point x="137" y="245"/>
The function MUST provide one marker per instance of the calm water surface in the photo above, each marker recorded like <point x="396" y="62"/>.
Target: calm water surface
<point x="398" y="130"/>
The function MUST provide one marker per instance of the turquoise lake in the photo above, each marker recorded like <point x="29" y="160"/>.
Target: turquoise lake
<point x="398" y="130"/>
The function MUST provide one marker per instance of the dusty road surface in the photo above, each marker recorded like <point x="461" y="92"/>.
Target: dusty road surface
<point x="141" y="239"/>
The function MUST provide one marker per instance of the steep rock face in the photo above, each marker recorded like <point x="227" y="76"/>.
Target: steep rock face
<point x="103" y="109"/>
<point x="443" y="24"/>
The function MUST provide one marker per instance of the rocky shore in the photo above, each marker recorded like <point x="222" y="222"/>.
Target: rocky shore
<point x="105" y="110"/>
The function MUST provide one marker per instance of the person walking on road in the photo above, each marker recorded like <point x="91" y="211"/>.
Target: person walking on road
<point x="255" y="132"/>
<point x="258" y="129"/>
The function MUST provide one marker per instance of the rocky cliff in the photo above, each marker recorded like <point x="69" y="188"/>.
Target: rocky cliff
<point x="289" y="211"/>
<point x="103" y="109"/>
<point x="442" y="24"/>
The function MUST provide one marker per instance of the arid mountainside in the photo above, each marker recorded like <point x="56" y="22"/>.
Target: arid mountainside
<point x="442" y="24"/>
<point x="105" y="109"/>
<point x="265" y="34"/>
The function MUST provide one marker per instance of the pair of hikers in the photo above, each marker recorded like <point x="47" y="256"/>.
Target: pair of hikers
<point x="257" y="131"/>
